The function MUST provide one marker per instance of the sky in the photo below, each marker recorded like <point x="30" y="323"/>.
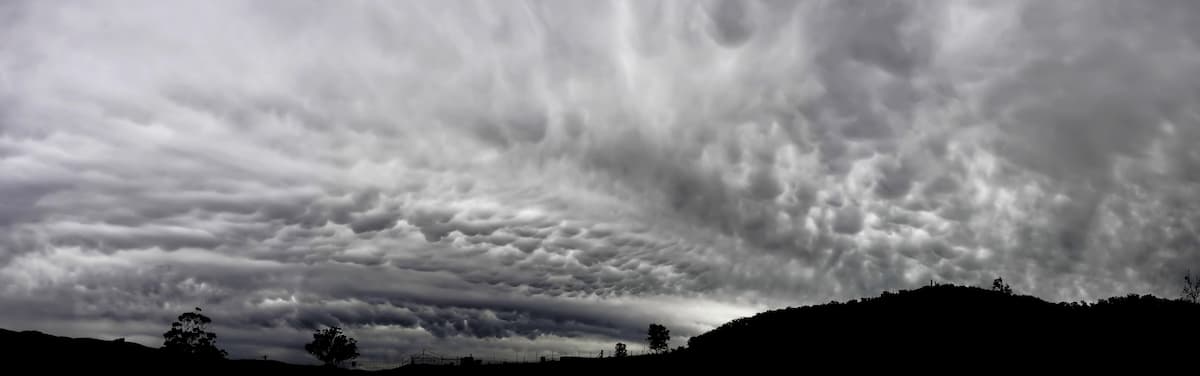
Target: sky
<point x="508" y="179"/>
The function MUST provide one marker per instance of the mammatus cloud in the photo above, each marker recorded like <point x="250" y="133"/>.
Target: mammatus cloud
<point x="523" y="177"/>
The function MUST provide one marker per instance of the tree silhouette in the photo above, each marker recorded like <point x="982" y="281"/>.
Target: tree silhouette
<point x="332" y="347"/>
<point x="1191" y="287"/>
<point x="658" y="336"/>
<point x="620" y="352"/>
<point x="999" y="285"/>
<point x="188" y="336"/>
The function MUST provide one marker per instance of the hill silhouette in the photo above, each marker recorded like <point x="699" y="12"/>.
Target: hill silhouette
<point x="50" y="354"/>
<point x="943" y="325"/>
<point x="961" y="324"/>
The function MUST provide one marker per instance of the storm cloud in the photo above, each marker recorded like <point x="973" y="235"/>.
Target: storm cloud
<point x="552" y="176"/>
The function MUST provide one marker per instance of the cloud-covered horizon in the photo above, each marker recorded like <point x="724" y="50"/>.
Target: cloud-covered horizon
<point x="552" y="176"/>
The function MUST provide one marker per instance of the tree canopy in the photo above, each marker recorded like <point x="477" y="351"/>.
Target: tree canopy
<point x="658" y="336"/>
<point x="189" y="336"/>
<point x="332" y="347"/>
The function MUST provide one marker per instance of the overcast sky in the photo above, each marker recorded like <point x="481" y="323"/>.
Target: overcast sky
<point x="503" y="177"/>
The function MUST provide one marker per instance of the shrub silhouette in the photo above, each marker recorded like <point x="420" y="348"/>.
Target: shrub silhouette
<point x="658" y="336"/>
<point x="332" y="347"/>
<point x="999" y="285"/>
<point x="1191" y="288"/>
<point x="188" y="336"/>
<point x="620" y="352"/>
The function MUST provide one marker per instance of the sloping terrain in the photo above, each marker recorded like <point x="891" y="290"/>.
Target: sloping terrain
<point x="938" y="328"/>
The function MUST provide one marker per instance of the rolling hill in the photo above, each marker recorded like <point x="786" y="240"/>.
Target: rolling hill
<point x="961" y="325"/>
<point x="941" y="327"/>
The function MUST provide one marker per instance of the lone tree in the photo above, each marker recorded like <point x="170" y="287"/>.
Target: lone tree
<point x="1191" y="287"/>
<point x="620" y="352"/>
<point x="999" y="285"/>
<point x="332" y="347"/>
<point x="658" y="336"/>
<point x="188" y="336"/>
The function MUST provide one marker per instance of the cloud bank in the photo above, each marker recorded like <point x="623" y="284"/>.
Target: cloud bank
<point x="505" y="178"/>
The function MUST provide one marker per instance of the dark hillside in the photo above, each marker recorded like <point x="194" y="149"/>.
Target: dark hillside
<point x="41" y="353"/>
<point x="936" y="327"/>
<point x="959" y="323"/>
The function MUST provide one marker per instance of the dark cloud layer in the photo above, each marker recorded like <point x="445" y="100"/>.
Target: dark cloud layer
<point x="500" y="177"/>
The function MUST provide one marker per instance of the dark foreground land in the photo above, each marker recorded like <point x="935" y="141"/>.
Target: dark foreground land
<point x="944" y="329"/>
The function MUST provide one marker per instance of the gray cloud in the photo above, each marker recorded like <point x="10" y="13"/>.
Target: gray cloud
<point x="553" y="176"/>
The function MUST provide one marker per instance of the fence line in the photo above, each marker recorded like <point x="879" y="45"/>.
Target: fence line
<point x="435" y="359"/>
